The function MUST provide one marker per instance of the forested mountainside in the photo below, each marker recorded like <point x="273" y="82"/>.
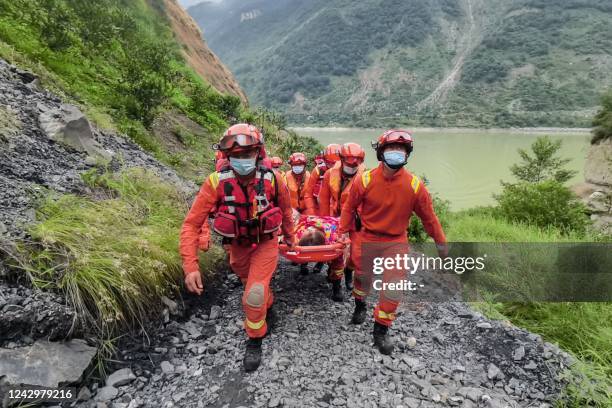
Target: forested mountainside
<point x="440" y="62"/>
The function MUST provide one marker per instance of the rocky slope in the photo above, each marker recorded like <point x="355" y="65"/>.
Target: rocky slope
<point x="596" y="191"/>
<point x="447" y="356"/>
<point x="197" y="54"/>
<point x="442" y="62"/>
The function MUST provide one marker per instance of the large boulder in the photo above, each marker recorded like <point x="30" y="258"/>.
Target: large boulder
<point x="596" y="192"/>
<point x="67" y="125"/>
<point x="598" y="167"/>
<point x="45" y="364"/>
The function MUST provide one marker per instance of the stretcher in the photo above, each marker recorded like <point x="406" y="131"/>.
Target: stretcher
<point x="305" y="254"/>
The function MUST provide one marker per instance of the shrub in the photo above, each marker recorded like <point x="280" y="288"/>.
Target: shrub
<point x="602" y="122"/>
<point x="543" y="165"/>
<point x="544" y="204"/>
<point x="416" y="231"/>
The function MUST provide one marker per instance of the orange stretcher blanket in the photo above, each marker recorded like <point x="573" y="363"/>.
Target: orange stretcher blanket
<point x="320" y="253"/>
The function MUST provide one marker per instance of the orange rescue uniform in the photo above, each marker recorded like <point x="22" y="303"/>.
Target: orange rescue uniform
<point x="312" y="191"/>
<point x="254" y="264"/>
<point x="334" y="192"/>
<point x="297" y="189"/>
<point x="386" y="205"/>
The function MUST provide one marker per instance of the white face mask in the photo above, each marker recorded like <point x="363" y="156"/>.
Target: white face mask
<point x="349" y="170"/>
<point x="298" y="169"/>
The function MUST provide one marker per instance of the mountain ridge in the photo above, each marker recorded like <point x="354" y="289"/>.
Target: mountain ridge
<point x="519" y="63"/>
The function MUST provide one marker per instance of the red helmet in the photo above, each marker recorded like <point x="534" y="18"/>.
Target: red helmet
<point x="331" y="154"/>
<point x="352" y="154"/>
<point x="240" y="137"/>
<point x="276" y="162"/>
<point x="401" y="137"/>
<point x="319" y="158"/>
<point x="297" y="159"/>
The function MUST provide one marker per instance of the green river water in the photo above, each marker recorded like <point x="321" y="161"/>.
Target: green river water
<point x="464" y="166"/>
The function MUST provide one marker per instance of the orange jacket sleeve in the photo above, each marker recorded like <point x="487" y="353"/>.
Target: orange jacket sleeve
<point x="196" y="225"/>
<point x="324" y="195"/>
<point x="349" y="208"/>
<point x="424" y="210"/>
<point x="284" y="203"/>
<point x="309" y="186"/>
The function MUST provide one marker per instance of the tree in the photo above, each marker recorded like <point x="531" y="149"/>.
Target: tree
<point x="602" y="122"/>
<point x="543" y="165"/>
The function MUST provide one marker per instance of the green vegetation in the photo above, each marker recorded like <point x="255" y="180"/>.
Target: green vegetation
<point x="540" y="198"/>
<point x="583" y="329"/>
<point x="114" y="253"/>
<point x="114" y="257"/>
<point x="540" y="209"/>
<point x="532" y="62"/>
<point x="117" y="58"/>
<point x="602" y="122"/>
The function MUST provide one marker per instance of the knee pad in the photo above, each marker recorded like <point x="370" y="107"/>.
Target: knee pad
<point x="255" y="296"/>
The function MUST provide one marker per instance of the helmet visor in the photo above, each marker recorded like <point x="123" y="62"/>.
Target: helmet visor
<point x="398" y="137"/>
<point x="352" y="161"/>
<point x="230" y="141"/>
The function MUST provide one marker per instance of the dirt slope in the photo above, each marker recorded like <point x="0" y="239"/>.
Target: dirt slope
<point x="197" y="53"/>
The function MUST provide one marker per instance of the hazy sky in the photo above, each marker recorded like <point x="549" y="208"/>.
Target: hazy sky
<point x="188" y="3"/>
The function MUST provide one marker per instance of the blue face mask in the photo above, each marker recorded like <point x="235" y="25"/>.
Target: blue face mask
<point x="243" y="167"/>
<point x="395" y="159"/>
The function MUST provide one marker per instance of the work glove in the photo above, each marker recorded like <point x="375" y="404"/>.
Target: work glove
<point x="193" y="283"/>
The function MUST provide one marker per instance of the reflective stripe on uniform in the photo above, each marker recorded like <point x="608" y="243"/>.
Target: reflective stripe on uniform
<point x="366" y="177"/>
<point x="255" y="325"/>
<point x="385" y="315"/>
<point x="338" y="272"/>
<point x="415" y="184"/>
<point x="214" y="179"/>
<point x="358" y="292"/>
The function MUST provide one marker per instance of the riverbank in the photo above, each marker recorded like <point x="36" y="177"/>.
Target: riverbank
<point x="544" y="130"/>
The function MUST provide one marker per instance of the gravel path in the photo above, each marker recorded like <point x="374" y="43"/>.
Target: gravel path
<point x="446" y="355"/>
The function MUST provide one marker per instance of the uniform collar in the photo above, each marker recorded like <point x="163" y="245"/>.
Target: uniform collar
<point x="397" y="174"/>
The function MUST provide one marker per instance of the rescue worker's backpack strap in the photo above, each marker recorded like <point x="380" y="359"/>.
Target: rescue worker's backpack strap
<point x="415" y="184"/>
<point x="366" y="177"/>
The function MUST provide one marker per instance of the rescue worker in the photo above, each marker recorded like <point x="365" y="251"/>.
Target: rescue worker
<point x="330" y="156"/>
<point x="324" y="161"/>
<point x="387" y="196"/>
<point x="296" y="180"/>
<point x="277" y="162"/>
<point x="334" y="191"/>
<point x="252" y="204"/>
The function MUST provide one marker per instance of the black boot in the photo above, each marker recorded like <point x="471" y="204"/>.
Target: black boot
<point x="337" y="291"/>
<point x="318" y="267"/>
<point x="252" y="355"/>
<point x="381" y="339"/>
<point x="348" y="279"/>
<point x="304" y="269"/>
<point x="359" y="314"/>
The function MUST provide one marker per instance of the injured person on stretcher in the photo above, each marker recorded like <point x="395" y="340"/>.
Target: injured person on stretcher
<point x="318" y="241"/>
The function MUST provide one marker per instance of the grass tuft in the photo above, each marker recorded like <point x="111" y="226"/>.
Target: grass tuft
<point x="113" y="258"/>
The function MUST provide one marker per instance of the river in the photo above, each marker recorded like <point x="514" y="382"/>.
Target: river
<point x="464" y="166"/>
